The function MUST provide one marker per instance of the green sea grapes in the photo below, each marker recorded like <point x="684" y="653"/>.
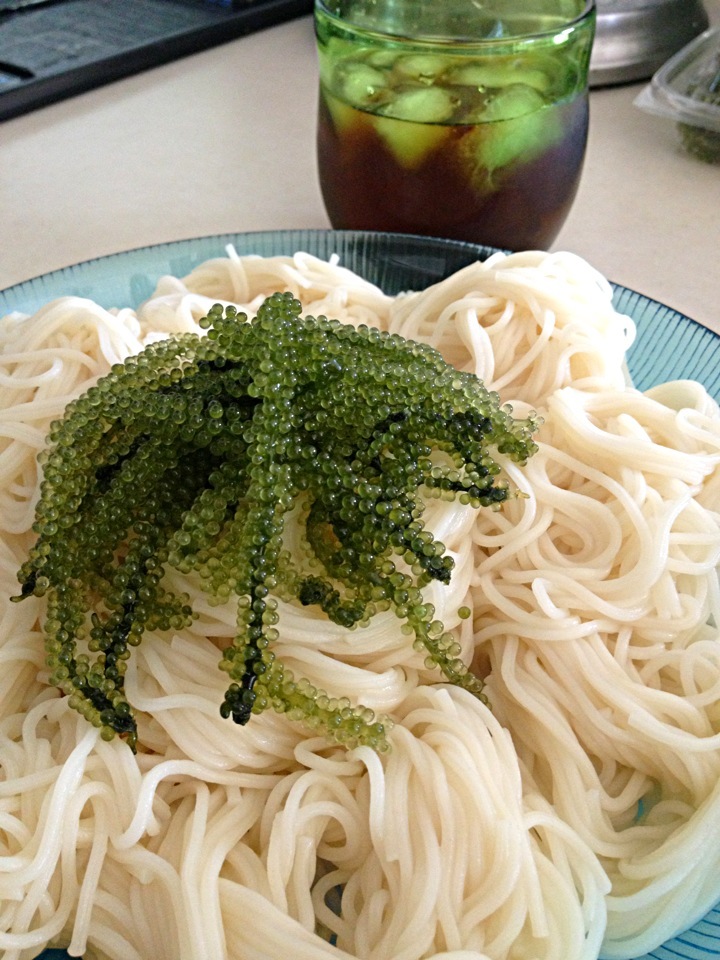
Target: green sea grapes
<point x="273" y="458"/>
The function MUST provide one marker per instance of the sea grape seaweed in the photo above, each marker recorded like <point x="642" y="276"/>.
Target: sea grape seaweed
<point x="199" y="453"/>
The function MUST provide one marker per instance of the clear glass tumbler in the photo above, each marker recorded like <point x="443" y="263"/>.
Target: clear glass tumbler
<point x="455" y="118"/>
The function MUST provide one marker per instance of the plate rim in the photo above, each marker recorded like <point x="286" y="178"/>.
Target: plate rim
<point x="226" y="237"/>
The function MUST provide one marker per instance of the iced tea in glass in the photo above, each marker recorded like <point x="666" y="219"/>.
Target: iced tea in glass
<point x="456" y="118"/>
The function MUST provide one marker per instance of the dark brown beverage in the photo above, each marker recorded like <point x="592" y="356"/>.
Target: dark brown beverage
<point x="473" y="142"/>
<point x="521" y="205"/>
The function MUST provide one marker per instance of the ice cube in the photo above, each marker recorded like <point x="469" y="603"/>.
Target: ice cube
<point x="487" y="75"/>
<point x="344" y="117"/>
<point x="421" y="105"/>
<point x="523" y="138"/>
<point x="359" y="84"/>
<point x="423" y="68"/>
<point x="492" y="146"/>
<point x="382" y="59"/>
<point x="517" y="100"/>
<point x="410" y="143"/>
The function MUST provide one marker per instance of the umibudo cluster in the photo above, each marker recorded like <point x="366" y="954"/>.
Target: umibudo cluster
<point x="199" y="453"/>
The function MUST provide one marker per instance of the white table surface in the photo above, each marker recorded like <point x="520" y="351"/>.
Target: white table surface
<point x="223" y="141"/>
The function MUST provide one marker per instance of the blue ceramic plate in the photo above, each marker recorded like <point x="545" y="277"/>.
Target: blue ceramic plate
<point x="668" y="346"/>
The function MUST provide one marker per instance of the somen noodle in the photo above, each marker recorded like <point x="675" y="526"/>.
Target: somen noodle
<point x="574" y="816"/>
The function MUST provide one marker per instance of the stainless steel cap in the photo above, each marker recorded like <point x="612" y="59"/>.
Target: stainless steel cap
<point x="635" y="37"/>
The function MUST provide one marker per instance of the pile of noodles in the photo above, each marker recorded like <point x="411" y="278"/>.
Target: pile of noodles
<point x="576" y="817"/>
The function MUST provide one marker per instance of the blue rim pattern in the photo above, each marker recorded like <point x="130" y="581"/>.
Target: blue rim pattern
<point x="669" y="346"/>
<point x="701" y="942"/>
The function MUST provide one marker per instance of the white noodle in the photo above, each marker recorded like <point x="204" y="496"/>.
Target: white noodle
<point x="578" y="817"/>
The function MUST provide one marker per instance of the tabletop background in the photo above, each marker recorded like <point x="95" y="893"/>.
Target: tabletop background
<point x="223" y="141"/>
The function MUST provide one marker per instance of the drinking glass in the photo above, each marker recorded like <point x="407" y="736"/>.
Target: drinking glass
<point x="456" y="118"/>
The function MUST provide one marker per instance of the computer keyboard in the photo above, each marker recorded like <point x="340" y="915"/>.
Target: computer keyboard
<point x="52" y="49"/>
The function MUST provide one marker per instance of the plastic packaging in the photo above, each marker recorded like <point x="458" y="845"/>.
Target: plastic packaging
<point x="686" y="89"/>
